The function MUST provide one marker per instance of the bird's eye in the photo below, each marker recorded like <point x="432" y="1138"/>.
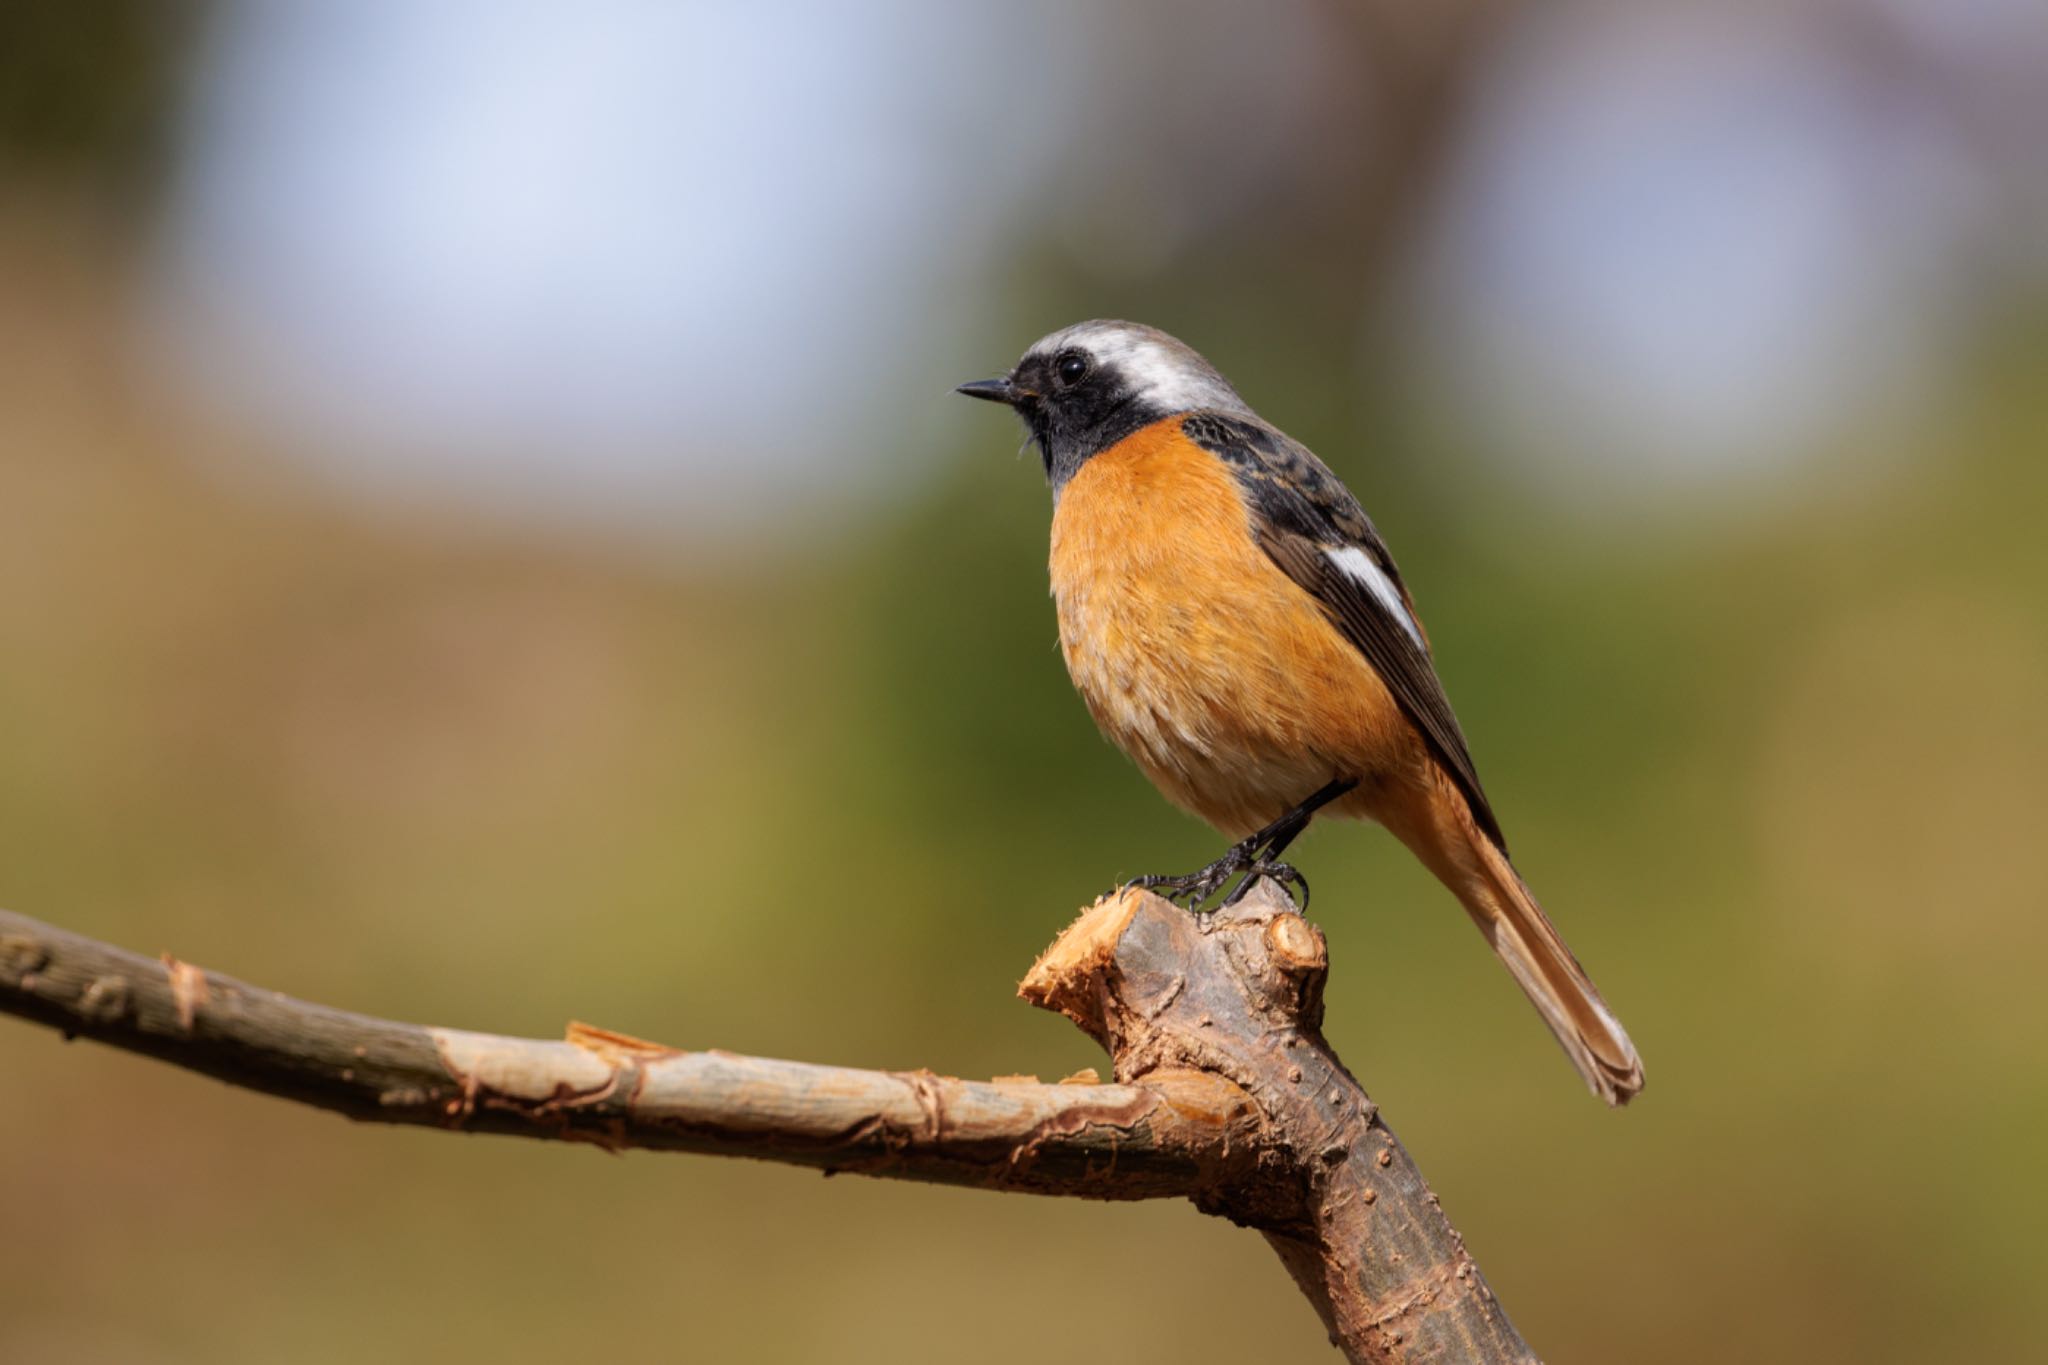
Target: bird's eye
<point x="1069" y="368"/>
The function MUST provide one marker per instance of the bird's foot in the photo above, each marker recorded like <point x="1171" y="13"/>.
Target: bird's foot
<point x="1257" y="856"/>
<point x="1285" y="874"/>
<point x="1191" y="889"/>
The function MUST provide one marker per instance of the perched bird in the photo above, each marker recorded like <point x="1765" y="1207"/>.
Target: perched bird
<point x="1237" y="626"/>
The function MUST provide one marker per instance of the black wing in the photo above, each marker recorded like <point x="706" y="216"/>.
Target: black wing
<point x="1301" y="515"/>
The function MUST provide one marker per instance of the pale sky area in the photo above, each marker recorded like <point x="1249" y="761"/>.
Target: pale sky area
<point x="1684" y="247"/>
<point x="560" y="252"/>
<point x="571" y="260"/>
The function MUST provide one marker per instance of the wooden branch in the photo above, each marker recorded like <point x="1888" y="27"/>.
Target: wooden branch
<point x="1239" y="995"/>
<point x="1172" y="1136"/>
<point x="1227" y="1096"/>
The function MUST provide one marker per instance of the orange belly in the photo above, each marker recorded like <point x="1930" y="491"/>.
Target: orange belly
<point x="1203" y="661"/>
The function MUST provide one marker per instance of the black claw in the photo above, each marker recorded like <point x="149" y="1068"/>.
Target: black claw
<point x="1192" y="888"/>
<point x="1256" y="857"/>
<point x="1283" y="873"/>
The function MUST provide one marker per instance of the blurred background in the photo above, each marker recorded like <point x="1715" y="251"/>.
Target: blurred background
<point x="485" y="538"/>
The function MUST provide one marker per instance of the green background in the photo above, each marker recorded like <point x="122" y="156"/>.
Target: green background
<point x="1778" y="765"/>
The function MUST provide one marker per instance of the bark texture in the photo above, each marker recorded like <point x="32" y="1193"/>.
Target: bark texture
<point x="1239" y="995"/>
<point x="1226" y="1094"/>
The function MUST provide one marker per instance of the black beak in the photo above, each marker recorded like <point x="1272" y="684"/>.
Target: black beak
<point x="993" y="390"/>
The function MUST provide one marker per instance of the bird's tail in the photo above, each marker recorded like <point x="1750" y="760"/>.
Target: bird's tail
<point x="1523" y="937"/>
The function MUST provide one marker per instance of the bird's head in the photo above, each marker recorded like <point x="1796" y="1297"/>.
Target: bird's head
<point x="1084" y="388"/>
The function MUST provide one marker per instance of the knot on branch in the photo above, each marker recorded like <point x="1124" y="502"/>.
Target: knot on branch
<point x="1160" y="987"/>
<point x="1235" y="995"/>
<point x="21" y="955"/>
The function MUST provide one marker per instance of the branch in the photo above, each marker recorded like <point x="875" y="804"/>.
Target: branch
<point x="1171" y="1136"/>
<point x="1228" y="1097"/>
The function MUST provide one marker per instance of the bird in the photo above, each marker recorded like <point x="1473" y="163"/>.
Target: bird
<point x="1235" y="624"/>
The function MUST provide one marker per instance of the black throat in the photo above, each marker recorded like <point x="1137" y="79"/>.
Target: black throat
<point x="1084" y="421"/>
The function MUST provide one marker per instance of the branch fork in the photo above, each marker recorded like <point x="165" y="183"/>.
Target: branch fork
<point x="1225" y="1093"/>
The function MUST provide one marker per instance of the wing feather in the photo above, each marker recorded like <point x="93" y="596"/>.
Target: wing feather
<point x="1311" y="526"/>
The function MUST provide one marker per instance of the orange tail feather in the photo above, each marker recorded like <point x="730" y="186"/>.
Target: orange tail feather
<point x="1524" y="939"/>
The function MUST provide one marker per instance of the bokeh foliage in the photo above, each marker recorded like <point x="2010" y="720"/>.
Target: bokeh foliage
<point x="1778" y="764"/>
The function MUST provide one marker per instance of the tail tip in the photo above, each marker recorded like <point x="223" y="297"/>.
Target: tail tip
<point x="1617" y="1086"/>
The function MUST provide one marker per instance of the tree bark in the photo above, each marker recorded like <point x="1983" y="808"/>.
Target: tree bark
<point x="1227" y="1095"/>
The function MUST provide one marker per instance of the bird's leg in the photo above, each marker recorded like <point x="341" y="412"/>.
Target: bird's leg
<point x="1256" y="856"/>
<point x="1270" y="842"/>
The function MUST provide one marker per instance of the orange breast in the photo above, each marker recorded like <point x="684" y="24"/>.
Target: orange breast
<point x="1197" y="656"/>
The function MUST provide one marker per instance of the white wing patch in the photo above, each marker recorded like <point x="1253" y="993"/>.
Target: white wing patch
<point x="1359" y="566"/>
